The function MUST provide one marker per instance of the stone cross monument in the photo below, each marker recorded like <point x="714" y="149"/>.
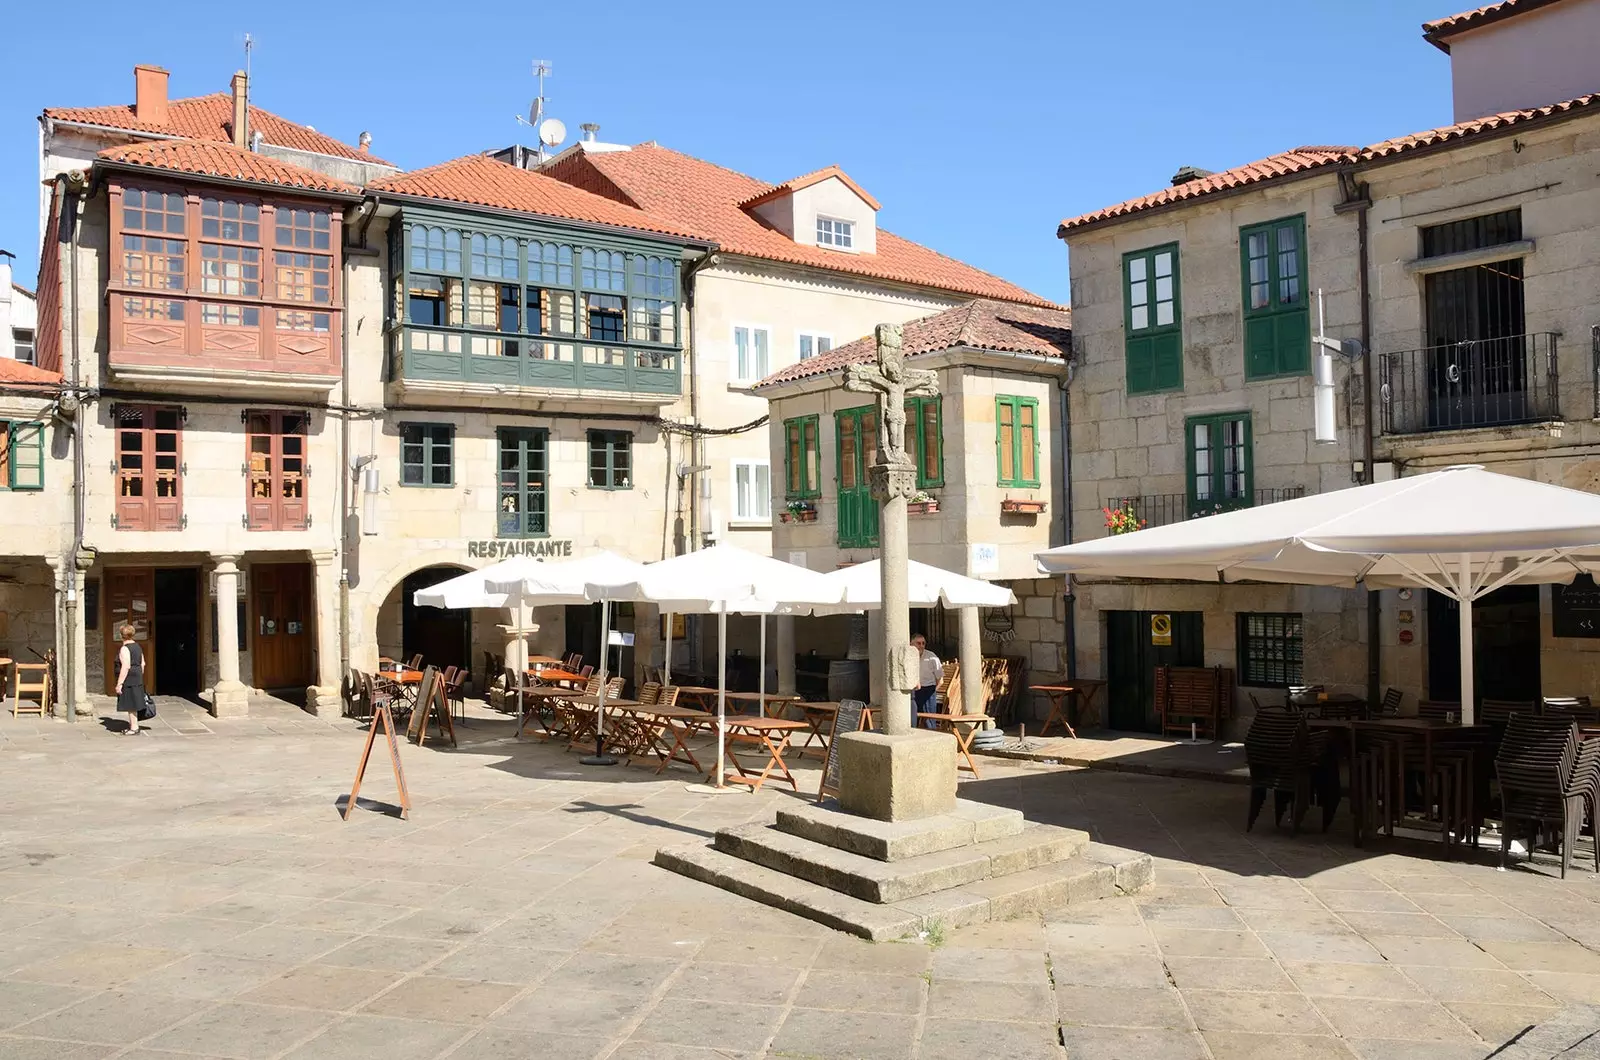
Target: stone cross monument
<point x="902" y="773"/>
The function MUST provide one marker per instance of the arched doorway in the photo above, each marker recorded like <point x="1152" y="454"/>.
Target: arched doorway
<point x="441" y="635"/>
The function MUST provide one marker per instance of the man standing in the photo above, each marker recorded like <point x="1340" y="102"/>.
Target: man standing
<point x="929" y="672"/>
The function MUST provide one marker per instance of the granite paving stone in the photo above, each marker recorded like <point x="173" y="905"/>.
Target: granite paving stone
<point x="322" y="987"/>
<point x="1166" y="1043"/>
<point x="742" y="1028"/>
<point x="1094" y="1006"/>
<point x="819" y="1034"/>
<point x="964" y="1039"/>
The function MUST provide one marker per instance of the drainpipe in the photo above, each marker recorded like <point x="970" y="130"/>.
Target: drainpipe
<point x="1361" y="204"/>
<point x="1071" y="602"/>
<point x="369" y="211"/>
<point x="72" y="187"/>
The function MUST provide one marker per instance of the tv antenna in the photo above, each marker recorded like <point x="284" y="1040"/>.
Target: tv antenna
<point x="551" y="131"/>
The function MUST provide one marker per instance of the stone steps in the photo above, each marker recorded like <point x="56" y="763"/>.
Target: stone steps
<point x="968" y="823"/>
<point x="1097" y="872"/>
<point x="886" y="882"/>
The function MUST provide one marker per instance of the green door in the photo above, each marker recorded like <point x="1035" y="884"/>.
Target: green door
<point x="857" y="436"/>
<point x="1132" y="658"/>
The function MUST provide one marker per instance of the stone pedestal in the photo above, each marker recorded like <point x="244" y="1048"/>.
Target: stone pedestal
<point x="229" y="697"/>
<point x="901" y="777"/>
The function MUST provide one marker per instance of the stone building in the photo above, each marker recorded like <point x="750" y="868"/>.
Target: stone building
<point x="1462" y="258"/>
<point x="989" y="467"/>
<point x="310" y="384"/>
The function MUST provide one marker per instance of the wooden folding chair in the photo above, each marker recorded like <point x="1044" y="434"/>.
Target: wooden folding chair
<point x="949" y="684"/>
<point x="31" y="678"/>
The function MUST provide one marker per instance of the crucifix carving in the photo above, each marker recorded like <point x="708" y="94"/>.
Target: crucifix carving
<point x="892" y="382"/>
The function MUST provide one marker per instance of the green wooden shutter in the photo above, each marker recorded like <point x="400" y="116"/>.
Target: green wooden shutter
<point x="1277" y="333"/>
<point x="1154" y="351"/>
<point x="27" y="456"/>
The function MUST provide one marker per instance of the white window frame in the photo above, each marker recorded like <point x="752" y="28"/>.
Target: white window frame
<point x="735" y="370"/>
<point x="841" y="228"/>
<point x="24" y="338"/>
<point x="817" y="338"/>
<point x="755" y="517"/>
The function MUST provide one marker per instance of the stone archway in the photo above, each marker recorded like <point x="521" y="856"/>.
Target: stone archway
<point x="364" y="651"/>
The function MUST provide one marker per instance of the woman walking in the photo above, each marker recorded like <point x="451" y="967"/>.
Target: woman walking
<point x="130" y="680"/>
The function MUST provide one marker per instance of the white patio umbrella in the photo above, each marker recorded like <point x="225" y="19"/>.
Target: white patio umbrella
<point x="471" y="589"/>
<point x="725" y="580"/>
<point x="578" y="581"/>
<point x="1463" y="532"/>
<point x="926" y="586"/>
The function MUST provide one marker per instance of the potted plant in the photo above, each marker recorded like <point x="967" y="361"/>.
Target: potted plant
<point x="799" y="512"/>
<point x="922" y="503"/>
<point x="1123" y="520"/>
<point x="1012" y="506"/>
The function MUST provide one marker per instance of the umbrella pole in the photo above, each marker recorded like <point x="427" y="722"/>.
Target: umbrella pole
<point x="722" y="691"/>
<point x="1468" y="710"/>
<point x="600" y="758"/>
<point x="761" y="676"/>
<point x="666" y="662"/>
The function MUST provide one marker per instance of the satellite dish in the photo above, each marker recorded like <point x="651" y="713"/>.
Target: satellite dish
<point x="552" y="131"/>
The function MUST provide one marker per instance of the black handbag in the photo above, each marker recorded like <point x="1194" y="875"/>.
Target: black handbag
<point x="147" y="710"/>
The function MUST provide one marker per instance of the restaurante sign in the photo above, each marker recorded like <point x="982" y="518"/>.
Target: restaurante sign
<point x="537" y="547"/>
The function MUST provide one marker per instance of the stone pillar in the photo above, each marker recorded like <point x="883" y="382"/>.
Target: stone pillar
<point x="901" y="668"/>
<point x="971" y="658"/>
<point x="783" y="645"/>
<point x="324" y="698"/>
<point x="76" y="642"/>
<point x="229" y="697"/>
<point x="877" y="684"/>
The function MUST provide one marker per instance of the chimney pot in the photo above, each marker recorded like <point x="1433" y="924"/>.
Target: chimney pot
<point x="591" y="131"/>
<point x="364" y="141"/>
<point x="241" y="109"/>
<point x="150" y="94"/>
<point x="1185" y="174"/>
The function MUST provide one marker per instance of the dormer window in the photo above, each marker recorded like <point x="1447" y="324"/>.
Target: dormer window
<point x="835" y="233"/>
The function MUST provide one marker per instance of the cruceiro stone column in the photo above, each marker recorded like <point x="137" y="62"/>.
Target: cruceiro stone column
<point x="229" y="697"/>
<point x="970" y="655"/>
<point x="323" y="698"/>
<point x="902" y="773"/>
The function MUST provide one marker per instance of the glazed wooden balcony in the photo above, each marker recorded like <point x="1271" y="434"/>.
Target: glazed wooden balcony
<point x="445" y="360"/>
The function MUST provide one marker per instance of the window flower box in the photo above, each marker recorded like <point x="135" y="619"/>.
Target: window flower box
<point x="1021" y="507"/>
<point x="799" y="512"/>
<point x="922" y="504"/>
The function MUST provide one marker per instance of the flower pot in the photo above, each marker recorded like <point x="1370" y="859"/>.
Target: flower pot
<point x="1016" y="507"/>
<point x="922" y="507"/>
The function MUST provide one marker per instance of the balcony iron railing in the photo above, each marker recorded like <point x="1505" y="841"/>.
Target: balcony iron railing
<point x="1162" y="508"/>
<point x="1476" y="383"/>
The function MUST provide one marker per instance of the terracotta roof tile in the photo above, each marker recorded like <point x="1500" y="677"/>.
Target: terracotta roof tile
<point x="705" y="199"/>
<point x="211" y="118"/>
<point x="983" y="324"/>
<point x="206" y="159"/>
<point x="479" y="180"/>
<point x="816" y="176"/>
<point x="1465" y="129"/>
<point x="12" y="371"/>
<point x="1437" y="31"/>
<point x="1299" y="160"/>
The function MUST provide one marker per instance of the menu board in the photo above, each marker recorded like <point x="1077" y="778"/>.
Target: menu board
<point x="1575" y="608"/>
<point x="847" y="719"/>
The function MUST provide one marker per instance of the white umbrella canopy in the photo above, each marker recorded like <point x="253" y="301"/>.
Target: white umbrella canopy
<point x="572" y="581"/>
<point x="471" y="589"/>
<point x="1462" y="531"/>
<point x="926" y="586"/>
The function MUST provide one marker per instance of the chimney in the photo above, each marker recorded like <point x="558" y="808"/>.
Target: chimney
<point x="241" y="110"/>
<point x="150" y="94"/>
<point x="364" y="141"/>
<point x="591" y="132"/>
<point x="1187" y="173"/>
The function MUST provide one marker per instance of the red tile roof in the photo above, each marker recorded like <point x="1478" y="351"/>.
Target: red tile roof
<point x="206" y="159"/>
<point x="478" y="180"/>
<point x="14" y="372"/>
<point x="984" y="324"/>
<point x="1306" y="159"/>
<point x="705" y="199"/>
<point x="1299" y="160"/>
<point x="816" y="176"/>
<point x="211" y="118"/>
<point x="1439" y="30"/>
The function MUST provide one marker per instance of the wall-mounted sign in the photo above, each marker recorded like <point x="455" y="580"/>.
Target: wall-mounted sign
<point x="536" y="547"/>
<point x="1406" y="636"/>
<point x="797" y="558"/>
<point x="1575" y="608"/>
<point x="985" y="559"/>
<point x="1161" y="630"/>
<point x="1405" y="594"/>
<point x="1406" y="617"/>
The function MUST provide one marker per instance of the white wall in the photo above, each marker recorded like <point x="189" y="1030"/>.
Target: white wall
<point x="1545" y="56"/>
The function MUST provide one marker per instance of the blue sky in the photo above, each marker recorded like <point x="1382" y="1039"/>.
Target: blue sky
<point x="978" y="127"/>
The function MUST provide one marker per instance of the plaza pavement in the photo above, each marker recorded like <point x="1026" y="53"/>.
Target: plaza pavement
<point x="193" y="893"/>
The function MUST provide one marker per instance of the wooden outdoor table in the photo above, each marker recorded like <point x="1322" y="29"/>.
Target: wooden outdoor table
<point x="706" y="697"/>
<point x="586" y="715"/>
<point x="761" y="699"/>
<point x="537" y="661"/>
<point x="1334" y="706"/>
<point x="1058" y="707"/>
<point x="679" y="722"/>
<point x="556" y="677"/>
<point x="406" y="681"/>
<point x="759" y="731"/>
<point x="952" y="724"/>
<point x="556" y="698"/>
<point x="1424" y="729"/>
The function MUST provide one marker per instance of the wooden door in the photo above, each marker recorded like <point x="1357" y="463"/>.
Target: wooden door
<point x="280" y="627"/>
<point x="130" y="597"/>
<point x="276" y="483"/>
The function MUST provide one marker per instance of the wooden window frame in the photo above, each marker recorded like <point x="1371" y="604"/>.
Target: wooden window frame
<point x="930" y="470"/>
<point x="1215" y="422"/>
<point x="608" y="444"/>
<point x="527" y="440"/>
<point x="274" y="510"/>
<point x="19" y="438"/>
<point x="430" y="446"/>
<point x="1276" y="334"/>
<point x="151" y="509"/>
<point x="1152" y="341"/>
<point x="802" y="458"/>
<point x="1015" y="404"/>
<point x="1255" y="647"/>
